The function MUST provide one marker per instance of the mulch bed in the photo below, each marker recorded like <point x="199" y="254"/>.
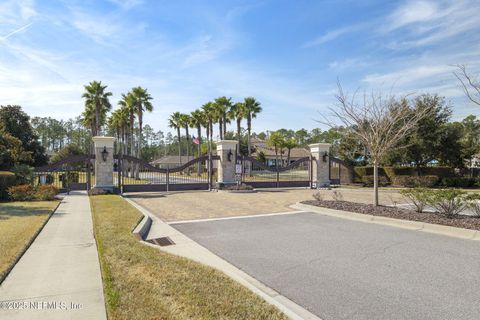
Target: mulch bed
<point x="460" y="221"/>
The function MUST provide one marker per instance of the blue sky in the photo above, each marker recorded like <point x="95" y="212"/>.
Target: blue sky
<point x="287" y="54"/>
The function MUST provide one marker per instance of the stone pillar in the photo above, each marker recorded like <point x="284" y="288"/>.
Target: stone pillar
<point x="226" y="167"/>
<point x="104" y="162"/>
<point x="321" y="164"/>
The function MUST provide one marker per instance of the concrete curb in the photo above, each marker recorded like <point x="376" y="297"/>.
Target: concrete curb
<point x="455" y="232"/>
<point x="187" y="248"/>
<point x="143" y="228"/>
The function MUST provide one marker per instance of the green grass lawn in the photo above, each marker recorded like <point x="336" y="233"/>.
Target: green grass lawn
<point x="141" y="282"/>
<point x="19" y="222"/>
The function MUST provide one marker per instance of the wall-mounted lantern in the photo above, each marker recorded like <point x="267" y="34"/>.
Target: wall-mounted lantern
<point x="104" y="154"/>
<point x="229" y="155"/>
<point x="324" y="156"/>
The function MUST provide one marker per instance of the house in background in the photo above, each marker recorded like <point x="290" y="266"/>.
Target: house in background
<point x="170" y="161"/>
<point x="270" y="158"/>
<point x="262" y="151"/>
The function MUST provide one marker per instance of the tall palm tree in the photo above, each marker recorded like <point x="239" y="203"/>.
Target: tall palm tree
<point x="88" y="118"/>
<point x="96" y="96"/>
<point x="113" y="123"/>
<point x="198" y="121"/>
<point x="237" y="112"/>
<point x="276" y="141"/>
<point x="142" y="103"/>
<point x="175" y="122"/>
<point x="127" y="103"/>
<point x="209" y="110"/>
<point x="222" y="107"/>
<point x="289" y="144"/>
<point x="185" y="123"/>
<point x="118" y="121"/>
<point x="252" y="108"/>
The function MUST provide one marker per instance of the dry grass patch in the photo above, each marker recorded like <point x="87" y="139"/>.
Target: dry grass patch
<point x="19" y="223"/>
<point x="141" y="282"/>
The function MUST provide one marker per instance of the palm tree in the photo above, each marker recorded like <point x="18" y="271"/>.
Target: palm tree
<point x="113" y="124"/>
<point x="198" y="121"/>
<point x="142" y="103"/>
<point x="289" y="144"/>
<point x="95" y="96"/>
<point x="209" y="109"/>
<point x="237" y="112"/>
<point x="252" y="108"/>
<point x="175" y="123"/>
<point x="185" y="123"/>
<point x="222" y="107"/>
<point x="127" y="102"/>
<point x="275" y="140"/>
<point x="88" y="118"/>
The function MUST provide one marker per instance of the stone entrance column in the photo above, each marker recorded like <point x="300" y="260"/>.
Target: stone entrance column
<point x="321" y="164"/>
<point x="104" y="162"/>
<point x="226" y="168"/>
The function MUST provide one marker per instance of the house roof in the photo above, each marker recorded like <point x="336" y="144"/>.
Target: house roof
<point x="294" y="153"/>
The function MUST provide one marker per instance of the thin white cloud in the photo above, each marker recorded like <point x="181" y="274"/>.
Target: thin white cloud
<point x="403" y="77"/>
<point x="431" y="22"/>
<point x="414" y="12"/>
<point x="329" y="36"/>
<point x="16" y="31"/>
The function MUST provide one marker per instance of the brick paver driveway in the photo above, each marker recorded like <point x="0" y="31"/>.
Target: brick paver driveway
<point x="203" y="204"/>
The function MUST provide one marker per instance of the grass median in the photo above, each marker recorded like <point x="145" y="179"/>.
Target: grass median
<point x="19" y="224"/>
<point x="141" y="282"/>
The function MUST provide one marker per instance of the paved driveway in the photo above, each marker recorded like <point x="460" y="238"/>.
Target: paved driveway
<point x="341" y="269"/>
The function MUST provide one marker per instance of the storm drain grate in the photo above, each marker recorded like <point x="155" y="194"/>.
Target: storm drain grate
<point x="162" y="242"/>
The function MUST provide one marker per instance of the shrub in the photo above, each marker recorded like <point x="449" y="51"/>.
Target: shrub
<point x="24" y="173"/>
<point x="473" y="203"/>
<point x="337" y="195"/>
<point x="368" y="181"/>
<point x="360" y="172"/>
<point x="318" y="196"/>
<point x="415" y="181"/>
<point x="23" y="192"/>
<point x="418" y="197"/>
<point x="46" y="193"/>
<point x="458" y="182"/>
<point x="7" y="180"/>
<point x="392" y="172"/>
<point x="449" y="202"/>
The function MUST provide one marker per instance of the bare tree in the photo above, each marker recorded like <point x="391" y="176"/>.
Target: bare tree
<point x="470" y="84"/>
<point x="380" y="122"/>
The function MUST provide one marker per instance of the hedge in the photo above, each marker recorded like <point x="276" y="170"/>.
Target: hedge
<point x="391" y="172"/>
<point x="7" y="179"/>
<point x="368" y="181"/>
<point x="415" y="181"/>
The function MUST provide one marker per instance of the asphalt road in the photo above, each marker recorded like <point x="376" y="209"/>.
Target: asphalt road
<point x="341" y="269"/>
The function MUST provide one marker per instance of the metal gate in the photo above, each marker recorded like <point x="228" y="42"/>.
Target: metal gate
<point x="71" y="173"/>
<point x="137" y="175"/>
<point x="258" y="175"/>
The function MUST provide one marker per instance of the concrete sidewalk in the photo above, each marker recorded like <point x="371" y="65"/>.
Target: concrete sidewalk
<point x="59" y="275"/>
